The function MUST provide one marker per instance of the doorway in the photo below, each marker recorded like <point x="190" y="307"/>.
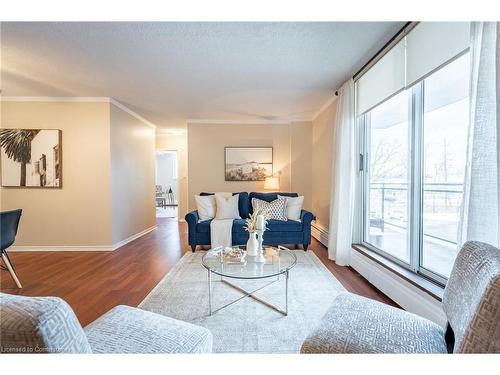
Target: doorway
<point x="167" y="184"/>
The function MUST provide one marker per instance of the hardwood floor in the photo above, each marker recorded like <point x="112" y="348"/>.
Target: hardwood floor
<point x="94" y="282"/>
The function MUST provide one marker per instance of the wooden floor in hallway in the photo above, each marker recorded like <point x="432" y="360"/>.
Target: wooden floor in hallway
<point x="94" y="282"/>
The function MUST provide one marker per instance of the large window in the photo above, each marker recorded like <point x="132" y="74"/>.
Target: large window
<point x="414" y="145"/>
<point x="387" y="203"/>
<point x="445" y="123"/>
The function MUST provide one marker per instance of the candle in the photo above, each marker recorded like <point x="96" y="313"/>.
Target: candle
<point x="260" y="222"/>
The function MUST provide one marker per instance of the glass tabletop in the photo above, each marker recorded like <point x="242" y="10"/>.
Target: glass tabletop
<point x="277" y="261"/>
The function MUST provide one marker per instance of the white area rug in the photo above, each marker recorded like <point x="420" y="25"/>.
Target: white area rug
<point x="247" y="326"/>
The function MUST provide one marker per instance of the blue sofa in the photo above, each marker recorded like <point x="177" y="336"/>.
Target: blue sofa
<point x="278" y="232"/>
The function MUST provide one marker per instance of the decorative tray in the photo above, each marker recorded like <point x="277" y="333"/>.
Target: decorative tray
<point x="233" y="255"/>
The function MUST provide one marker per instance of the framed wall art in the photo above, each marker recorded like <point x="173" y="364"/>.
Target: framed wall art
<point x="248" y="163"/>
<point x="31" y="158"/>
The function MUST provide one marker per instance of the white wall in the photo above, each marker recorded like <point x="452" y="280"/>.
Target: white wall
<point x="166" y="170"/>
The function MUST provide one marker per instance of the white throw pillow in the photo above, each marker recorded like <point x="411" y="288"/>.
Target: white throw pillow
<point x="293" y="207"/>
<point x="227" y="207"/>
<point x="206" y="206"/>
<point x="276" y="209"/>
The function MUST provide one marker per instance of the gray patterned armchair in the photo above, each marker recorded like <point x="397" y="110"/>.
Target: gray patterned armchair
<point x="49" y="325"/>
<point x="471" y="303"/>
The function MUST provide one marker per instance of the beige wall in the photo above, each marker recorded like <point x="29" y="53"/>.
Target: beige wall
<point x="107" y="192"/>
<point x="105" y="147"/>
<point x="79" y="214"/>
<point x="292" y="156"/>
<point x="322" y="157"/>
<point x="132" y="175"/>
<point x="301" y="160"/>
<point x="177" y="142"/>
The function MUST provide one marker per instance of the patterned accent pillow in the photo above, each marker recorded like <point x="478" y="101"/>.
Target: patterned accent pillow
<point x="276" y="208"/>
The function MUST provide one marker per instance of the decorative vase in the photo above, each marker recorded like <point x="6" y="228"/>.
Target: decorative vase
<point x="252" y="244"/>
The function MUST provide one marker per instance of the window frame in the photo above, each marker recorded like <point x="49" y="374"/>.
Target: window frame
<point x="364" y="134"/>
<point x="416" y="130"/>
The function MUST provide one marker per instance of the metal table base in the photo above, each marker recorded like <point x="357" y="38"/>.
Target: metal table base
<point x="247" y="294"/>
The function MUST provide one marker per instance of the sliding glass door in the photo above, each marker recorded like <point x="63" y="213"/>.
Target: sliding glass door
<point x="414" y="146"/>
<point x="388" y="178"/>
<point x="445" y="122"/>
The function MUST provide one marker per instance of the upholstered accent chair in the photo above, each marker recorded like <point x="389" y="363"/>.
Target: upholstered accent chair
<point x="471" y="303"/>
<point x="49" y="325"/>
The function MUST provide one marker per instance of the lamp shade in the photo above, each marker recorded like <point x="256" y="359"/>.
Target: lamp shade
<point x="272" y="183"/>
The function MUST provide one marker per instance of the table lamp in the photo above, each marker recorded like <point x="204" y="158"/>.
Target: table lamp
<point x="272" y="183"/>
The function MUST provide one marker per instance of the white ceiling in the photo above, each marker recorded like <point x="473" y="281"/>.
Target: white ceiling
<point x="172" y="72"/>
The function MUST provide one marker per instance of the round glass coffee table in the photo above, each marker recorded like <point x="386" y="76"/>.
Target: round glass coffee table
<point x="276" y="261"/>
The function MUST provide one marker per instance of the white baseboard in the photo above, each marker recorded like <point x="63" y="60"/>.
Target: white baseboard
<point x="60" y="248"/>
<point x="133" y="237"/>
<point x="320" y="233"/>
<point x="82" y="248"/>
<point x="406" y="295"/>
<point x="399" y="290"/>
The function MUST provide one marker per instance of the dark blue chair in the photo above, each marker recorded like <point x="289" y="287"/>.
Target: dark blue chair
<point x="9" y="222"/>
<point x="277" y="233"/>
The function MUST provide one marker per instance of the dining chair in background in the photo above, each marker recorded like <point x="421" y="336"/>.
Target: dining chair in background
<point x="9" y="222"/>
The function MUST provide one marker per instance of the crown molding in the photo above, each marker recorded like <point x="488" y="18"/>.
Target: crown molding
<point x="132" y="113"/>
<point x="90" y="99"/>
<point x="78" y="99"/>
<point x="323" y="107"/>
<point x="240" y="122"/>
<point x="50" y="99"/>
<point x="258" y="122"/>
<point x="164" y="131"/>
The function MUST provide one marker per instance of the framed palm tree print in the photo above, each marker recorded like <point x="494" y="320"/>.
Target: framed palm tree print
<point x="31" y="158"/>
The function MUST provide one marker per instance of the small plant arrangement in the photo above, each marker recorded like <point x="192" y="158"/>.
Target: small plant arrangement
<point x="251" y="222"/>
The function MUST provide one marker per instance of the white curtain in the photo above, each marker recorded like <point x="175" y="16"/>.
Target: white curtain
<point x="342" y="193"/>
<point x="480" y="216"/>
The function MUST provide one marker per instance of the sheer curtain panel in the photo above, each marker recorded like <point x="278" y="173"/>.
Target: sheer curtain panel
<point x="480" y="216"/>
<point x="342" y="193"/>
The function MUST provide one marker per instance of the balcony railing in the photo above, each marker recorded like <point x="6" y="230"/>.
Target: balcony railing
<point x="428" y="187"/>
<point x="388" y="207"/>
